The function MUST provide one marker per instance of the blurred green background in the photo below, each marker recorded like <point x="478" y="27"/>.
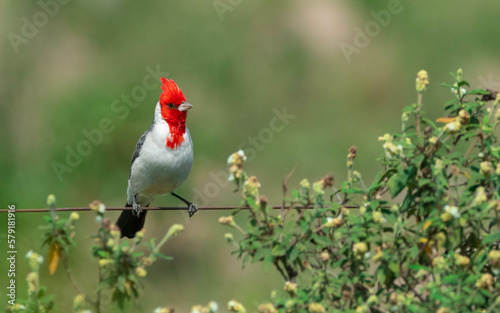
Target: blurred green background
<point x="236" y="62"/>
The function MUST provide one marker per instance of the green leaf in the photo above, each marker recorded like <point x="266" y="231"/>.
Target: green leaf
<point x="491" y="238"/>
<point x="293" y="254"/>
<point x="279" y="250"/>
<point x="441" y="298"/>
<point x="259" y="255"/>
<point x="163" y="256"/>
<point x="268" y="260"/>
<point x="450" y="279"/>
<point x="478" y="92"/>
<point x="394" y="267"/>
<point x="414" y="251"/>
<point x="397" y="183"/>
<point x="417" y="267"/>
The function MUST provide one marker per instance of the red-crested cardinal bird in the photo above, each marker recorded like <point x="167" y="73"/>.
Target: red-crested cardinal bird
<point x="162" y="159"/>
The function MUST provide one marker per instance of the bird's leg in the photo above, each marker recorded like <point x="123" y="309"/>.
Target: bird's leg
<point x="137" y="208"/>
<point x="192" y="208"/>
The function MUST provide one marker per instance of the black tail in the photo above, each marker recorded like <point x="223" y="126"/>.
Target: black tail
<point x="130" y="224"/>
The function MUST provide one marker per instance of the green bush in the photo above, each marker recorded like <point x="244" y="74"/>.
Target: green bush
<point x="423" y="237"/>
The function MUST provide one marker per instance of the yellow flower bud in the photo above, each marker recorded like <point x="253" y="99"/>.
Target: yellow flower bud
<point x="51" y="200"/>
<point x="267" y="308"/>
<point x="147" y="261"/>
<point x="291" y="288"/>
<point x="452" y="127"/>
<point x="316" y="308"/>
<point x="234" y="306"/>
<point x="105" y="262"/>
<point x="226" y="220"/>
<point x="213" y="307"/>
<point x="140" y="271"/>
<point x="362" y="309"/>
<point x="74" y="216"/>
<point x="404" y="117"/>
<point x="464" y="117"/>
<point x="485" y="168"/>
<point x="378" y="217"/>
<point x="96" y="205"/>
<point x="251" y="187"/>
<point x="446" y="216"/>
<point x="334" y="222"/>
<point x="319" y="187"/>
<point x="462" y="260"/>
<point x="356" y="175"/>
<point x="229" y="237"/>
<point x="35" y="260"/>
<point x="32" y="279"/>
<point x="78" y="302"/>
<point x="480" y="196"/>
<point x="379" y="255"/>
<point x="485" y="282"/>
<point x="494" y="257"/>
<point x="422" y="81"/>
<point x="324" y="255"/>
<point x="438" y="262"/>
<point x="237" y="159"/>
<point x="174" y="230"/>
<point x="305" y="184"/>
<point x="360" y="248"/>
<point x="289" y="304"/>
<point x="385" y="137"/>
<point x="441" y="239"/>
<point x="163" y="310"/>
<point x="138" y="236"/>
<point x="197" y="309"/>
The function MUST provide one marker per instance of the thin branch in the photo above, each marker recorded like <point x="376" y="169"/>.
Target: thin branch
<point x="285" y="189"/>
<point x="419" y="104"/>
<point x="248" y="207"/>
<point x="471" y="148"/>
<point x="76" y="285"/>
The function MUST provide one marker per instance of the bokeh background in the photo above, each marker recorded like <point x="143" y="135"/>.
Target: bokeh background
<point x="237" y="63"/>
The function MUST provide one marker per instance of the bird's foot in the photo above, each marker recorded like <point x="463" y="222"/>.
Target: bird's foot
<point x="192" y="208"/>
<point x="137" y="209"/>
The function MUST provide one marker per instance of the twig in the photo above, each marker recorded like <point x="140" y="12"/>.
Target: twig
<point x="280" y="270"/>
<point x="248" y="207"/>
<point x="419" y="104"/>
<point x="471" y="148"/>
<point x="76" y="285"/>
<point x="285" y="189"/>
<point x="455" y="144"/>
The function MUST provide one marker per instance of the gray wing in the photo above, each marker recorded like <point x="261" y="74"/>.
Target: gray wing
<point x="138" y="148"/>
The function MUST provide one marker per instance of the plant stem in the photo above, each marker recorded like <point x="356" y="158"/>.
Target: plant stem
<point x="419" y="104"/>
<point x="76" y="285"/>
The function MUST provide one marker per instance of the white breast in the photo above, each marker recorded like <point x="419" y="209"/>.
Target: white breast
<point x="159" y="170"/>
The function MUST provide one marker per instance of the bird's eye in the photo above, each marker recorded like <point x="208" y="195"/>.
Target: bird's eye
<point x="170" y="105"/>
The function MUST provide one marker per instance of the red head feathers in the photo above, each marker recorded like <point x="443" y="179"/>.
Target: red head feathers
<point x="171" y="93"/>
<point x="170" y="99"/>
